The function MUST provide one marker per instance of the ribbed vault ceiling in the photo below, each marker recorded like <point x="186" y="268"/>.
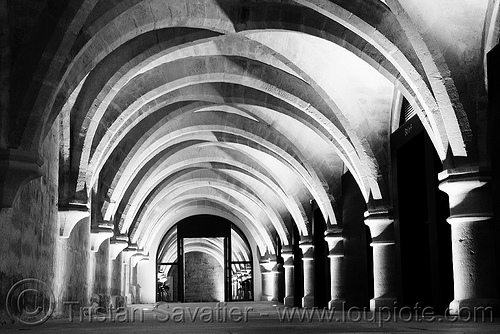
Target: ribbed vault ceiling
<point x="243" y="109"/>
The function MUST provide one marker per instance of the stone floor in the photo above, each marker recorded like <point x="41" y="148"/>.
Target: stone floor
<point x="254" y="317"/>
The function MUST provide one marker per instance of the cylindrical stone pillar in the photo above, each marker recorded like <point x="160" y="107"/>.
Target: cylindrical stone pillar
<point x="287" y="254"/>
<point x="472" y="238"/>
<point x="381" y="226"/>
<point x="128" y="295"/>
<point x="307" y="248"/>
<point x="335" y="242"/>
<point x="270" y="280"/>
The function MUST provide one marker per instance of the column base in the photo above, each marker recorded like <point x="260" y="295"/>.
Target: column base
<point x="267" y="298"/>
<point x="377" y="303"/>
<point x="336" y="304"/>
<point x="475" y="307"/>
<point x="308" y="301"/>
<point x="289" y="301"/>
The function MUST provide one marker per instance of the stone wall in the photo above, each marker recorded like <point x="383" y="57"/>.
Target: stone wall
<point x="204" y="278"/>
<point x="29" y="229"/>
<point x="31" y="247"/>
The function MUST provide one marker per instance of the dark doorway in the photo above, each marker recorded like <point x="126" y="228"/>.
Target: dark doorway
<point x="423" y="237"/>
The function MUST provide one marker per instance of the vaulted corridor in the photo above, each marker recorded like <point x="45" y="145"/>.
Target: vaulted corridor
<point x="310" y="153"/>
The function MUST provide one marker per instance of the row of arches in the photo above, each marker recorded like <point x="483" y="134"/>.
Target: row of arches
<point x="251" y="111"/>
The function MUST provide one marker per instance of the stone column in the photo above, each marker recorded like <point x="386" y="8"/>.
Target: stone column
<point x="128" y="284"/>
<point x="287" y="254"/>
<point x="335" y="242"/>
<point x="270" y="276"/>
<point x="307" y="248"/>
<point x="128" y="252"/>
<point x="472" y="237"/>
<point x="381" y="226"/>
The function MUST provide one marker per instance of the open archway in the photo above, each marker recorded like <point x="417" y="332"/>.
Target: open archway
<point x="204" y="258"/>
<point x="306" y="126"/>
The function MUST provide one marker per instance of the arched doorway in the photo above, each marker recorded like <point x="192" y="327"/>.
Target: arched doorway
<point x="204" y="258"/>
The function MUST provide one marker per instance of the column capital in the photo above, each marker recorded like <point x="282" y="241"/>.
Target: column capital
<point x="69" y="215"/>
<point x="307" y="247"/>
<point x="335" y="241"/>
<point x="117" y="244"/>
<point x="285" y="249"/>
<point x="305" y="239"/>
<point x="378" y="214"/>
<point x="273" y="271"/>
<point x="287" y="254"/>
<point x="381" y="224"/>
<point x="17" y="167"/>
<point x="100" y="233"/>
<point x="470" y="193"/>
<point x="334" y="230"/>
<point x="268" y="265"/>
<point x="136" y="258"/>
<point x="130" y="250"/>
<point x="463" y="172"/>
<point x="463" y="180"/>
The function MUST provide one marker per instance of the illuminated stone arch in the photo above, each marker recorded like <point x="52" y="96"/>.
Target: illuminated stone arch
<point x="152" y="206"/>
<point x="249" y="107"/>
<point x="328" y="120"/>
<point x="210" y="189"/>
<point x="444" y="124"/>
<point x="156" y="144"/>
<point x="361" y="164"/>
<point x="257" y="193"/>
<point x="188" y="206"/>
<point x="192" y="158"/>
